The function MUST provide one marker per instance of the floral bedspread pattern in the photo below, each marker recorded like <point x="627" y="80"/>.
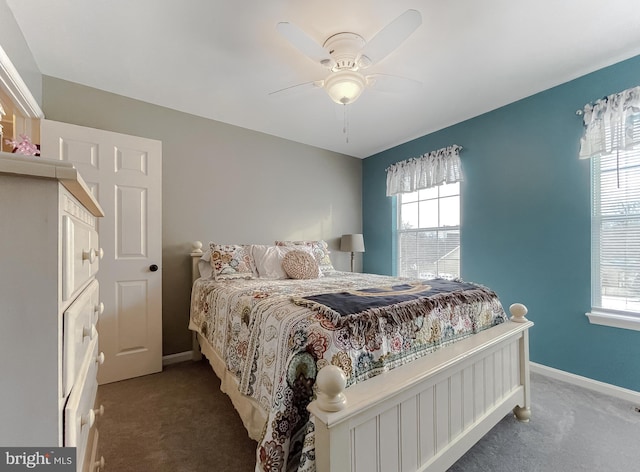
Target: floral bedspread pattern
<point x="275" y="347"/>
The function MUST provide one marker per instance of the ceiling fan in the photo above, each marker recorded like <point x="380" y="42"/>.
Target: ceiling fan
<point x="347" y="54"/>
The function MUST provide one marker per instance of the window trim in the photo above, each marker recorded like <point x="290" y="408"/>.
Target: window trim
<point x="614" y="319"/>
<point x="599" y="315"/>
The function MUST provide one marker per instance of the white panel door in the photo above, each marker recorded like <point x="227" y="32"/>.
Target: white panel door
<point x="125" y="174"/>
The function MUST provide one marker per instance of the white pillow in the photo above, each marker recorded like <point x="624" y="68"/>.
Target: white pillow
<point x="268" y="260"/>
<point x="204" y="265"/>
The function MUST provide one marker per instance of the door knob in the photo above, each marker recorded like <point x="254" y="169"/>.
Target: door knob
<point x="153" y="267"/>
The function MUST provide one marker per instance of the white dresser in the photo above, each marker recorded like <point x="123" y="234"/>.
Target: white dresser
<point x="49" y="307"/>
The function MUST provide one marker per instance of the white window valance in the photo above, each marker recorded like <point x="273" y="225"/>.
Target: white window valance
<point x="429" y="170"/>
<point x="609" y="124"/>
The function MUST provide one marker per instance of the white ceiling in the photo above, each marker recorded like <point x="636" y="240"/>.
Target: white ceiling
<point x="220" y="59"/>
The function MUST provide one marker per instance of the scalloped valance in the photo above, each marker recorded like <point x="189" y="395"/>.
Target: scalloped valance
<point x="429" y="170"/>
<point x="609" y="124"/>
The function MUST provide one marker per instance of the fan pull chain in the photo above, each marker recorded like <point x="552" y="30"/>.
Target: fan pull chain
<point x="345" y="127"/>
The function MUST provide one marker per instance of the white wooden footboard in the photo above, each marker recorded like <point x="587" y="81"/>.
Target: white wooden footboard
<point x="425" y="415"/>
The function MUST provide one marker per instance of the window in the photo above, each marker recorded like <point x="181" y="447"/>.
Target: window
<point x="611" y="141"/>
<point x="429" y="232"/>
<point x="615" y="228"/>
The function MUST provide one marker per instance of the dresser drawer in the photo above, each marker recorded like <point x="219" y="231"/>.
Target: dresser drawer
<point x="79" y="329"/>
<point x="92" y="463"/>
<point x="80" y="247"/>
<point x="79" y="416"/>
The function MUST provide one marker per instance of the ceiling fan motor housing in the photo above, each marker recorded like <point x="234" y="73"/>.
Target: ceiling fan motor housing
<point x="344" y="49"/>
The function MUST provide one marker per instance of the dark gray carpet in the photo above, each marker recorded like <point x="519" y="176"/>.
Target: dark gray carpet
<point x="571" y="429"/>
<point x="179" y="421"/>
<point x="174" y="421"/>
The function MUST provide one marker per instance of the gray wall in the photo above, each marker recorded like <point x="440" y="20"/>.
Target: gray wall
<point x="222" y="183"/>
<point x="15" y="46"/>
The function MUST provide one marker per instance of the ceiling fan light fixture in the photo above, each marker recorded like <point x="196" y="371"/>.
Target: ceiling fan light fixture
<point x="344" y="87"/>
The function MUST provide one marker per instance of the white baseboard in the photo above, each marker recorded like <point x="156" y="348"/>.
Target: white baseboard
<point x="600" y="387"/>
<point x="177" y="357"/>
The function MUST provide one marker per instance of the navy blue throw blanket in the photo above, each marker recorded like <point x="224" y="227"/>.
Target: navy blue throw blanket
<point x="398" y="303"/>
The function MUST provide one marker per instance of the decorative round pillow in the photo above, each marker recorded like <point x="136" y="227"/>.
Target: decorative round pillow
<point x="300" y="265"/>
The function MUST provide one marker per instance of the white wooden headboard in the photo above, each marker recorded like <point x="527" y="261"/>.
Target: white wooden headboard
<point x="196" y="254"/>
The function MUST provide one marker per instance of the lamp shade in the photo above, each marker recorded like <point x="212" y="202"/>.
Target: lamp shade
<point x="352" y="243"/>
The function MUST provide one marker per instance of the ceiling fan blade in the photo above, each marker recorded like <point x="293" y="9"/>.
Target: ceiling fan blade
<point x="297" y="89"/>
<point x="389" y="38"/>
<point x="393" y="83"/>
<point x="307" y="46"/>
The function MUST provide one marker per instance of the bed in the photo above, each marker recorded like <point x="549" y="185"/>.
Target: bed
<point x="323" y="385"/>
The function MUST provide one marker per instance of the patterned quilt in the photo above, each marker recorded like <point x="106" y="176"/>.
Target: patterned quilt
<point x="274" y="347"/>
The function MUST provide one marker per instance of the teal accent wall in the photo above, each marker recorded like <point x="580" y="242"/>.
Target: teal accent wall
<point x="525" y="225"/>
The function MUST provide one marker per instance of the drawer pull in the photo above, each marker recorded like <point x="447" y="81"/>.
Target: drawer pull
<point x="99" y="465"/>
<point x="99" y="309"/>
<point x="99" y="411"/>
<point x="90" y="333"/>
<point x="89" y="255"/>
<point x="100" y="358"/>
<point x="88" y="419"/>
<point x="92" y="254"/>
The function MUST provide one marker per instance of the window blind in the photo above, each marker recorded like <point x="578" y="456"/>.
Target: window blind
<point x="615" y="229"/>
